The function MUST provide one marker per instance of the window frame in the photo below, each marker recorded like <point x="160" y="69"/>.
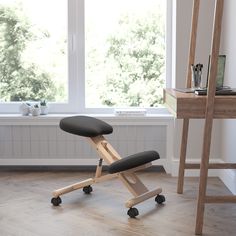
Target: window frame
<point x="76" y="66"/>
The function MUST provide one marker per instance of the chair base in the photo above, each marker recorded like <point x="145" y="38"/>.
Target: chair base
<point x="131" y="180"/>
<point x="128" y="177"/>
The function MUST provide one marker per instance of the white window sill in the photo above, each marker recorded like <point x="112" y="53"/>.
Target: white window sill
<point x="54" y="119"/>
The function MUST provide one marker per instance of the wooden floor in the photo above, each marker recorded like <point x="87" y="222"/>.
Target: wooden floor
<point x="25" y="208"/>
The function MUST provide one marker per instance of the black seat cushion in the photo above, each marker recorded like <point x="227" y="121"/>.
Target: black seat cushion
<point x="85" y="126"/>
<point x="133" y="161"/>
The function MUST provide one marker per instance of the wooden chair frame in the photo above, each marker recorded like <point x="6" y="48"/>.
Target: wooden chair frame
<point x="130" y="180"/>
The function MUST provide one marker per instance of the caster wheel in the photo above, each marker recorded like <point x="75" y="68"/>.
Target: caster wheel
<point x="56" y="201"/>
<point x="132" y="212"/>
<point x="160" y="199"/>
<point x="87" y="189"/>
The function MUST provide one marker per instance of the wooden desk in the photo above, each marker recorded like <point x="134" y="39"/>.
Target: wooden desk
<point x="189" y="105"/>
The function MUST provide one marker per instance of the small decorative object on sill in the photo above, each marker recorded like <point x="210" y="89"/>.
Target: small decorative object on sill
<point x="130" y="112"/>
<point x="44" y="107"/>
<point x="25" y="109"/>
<point x="35" y="110"/>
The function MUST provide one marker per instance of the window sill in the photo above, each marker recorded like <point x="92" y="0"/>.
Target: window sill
<point x="54" y="119"/>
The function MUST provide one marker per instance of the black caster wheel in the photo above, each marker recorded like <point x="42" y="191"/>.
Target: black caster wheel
<point x="56" y="201"/>
<point x="160" y="199"/>
<point x="132" y="212"/>
<point x="87" y="189"/>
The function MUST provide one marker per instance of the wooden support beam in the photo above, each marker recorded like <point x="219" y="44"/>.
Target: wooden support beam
<point x="211" y="166"/>
<point x="193" y="40"/>
<point x="220" y="199"/>
<point x="192" y="50"/>
<point x="134" y="201"/>
<point x="218" y="13"/>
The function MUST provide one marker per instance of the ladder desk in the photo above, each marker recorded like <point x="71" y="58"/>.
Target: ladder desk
<point x="190" y="106"/>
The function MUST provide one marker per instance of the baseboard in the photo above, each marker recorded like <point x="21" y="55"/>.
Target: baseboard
<point x="68" y="168"/>
<point x="228" y="177"/>
<point x="65" y="165"/>
<point x="170" y="168"/>
<point x="47" y="162"/>
<point x="64" y="162"/>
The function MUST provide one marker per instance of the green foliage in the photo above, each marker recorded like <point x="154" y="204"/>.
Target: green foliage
<point x="43" y="103"/>
<point x="136" y="58"/>
<point x="134" y="62"/>
<point x="19" y="80"/>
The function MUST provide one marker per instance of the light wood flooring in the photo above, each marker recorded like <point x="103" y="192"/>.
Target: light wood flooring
<point x="25" y="207"/>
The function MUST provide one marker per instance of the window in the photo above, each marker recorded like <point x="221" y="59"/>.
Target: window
<point x="84" y="55"/>
<point x="33" y="45"/>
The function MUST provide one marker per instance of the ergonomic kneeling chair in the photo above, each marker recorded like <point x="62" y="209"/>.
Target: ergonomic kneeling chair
<point x="123" y="168"/>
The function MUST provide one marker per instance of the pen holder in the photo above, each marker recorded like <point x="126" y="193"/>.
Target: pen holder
<point x="196" y="81"/>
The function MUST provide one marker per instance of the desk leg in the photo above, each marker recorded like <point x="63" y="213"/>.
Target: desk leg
<point x="182" y="160"/>
<point x="203" y="175"/>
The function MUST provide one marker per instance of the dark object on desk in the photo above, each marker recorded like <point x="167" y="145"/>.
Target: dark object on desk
<point x="187" y="90"/>
<point x="225" y="92"/>
<point x="220" y="70"/>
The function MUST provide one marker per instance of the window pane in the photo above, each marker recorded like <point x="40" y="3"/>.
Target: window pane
<point x="124" y="52"/>
<point x="33" y="50"/>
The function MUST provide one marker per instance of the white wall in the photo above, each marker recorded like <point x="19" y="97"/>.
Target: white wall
<point x="228" y="47"/>
<point x="183" y="25"/>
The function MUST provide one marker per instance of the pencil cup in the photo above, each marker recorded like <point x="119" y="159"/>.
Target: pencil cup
<point x="196" y="76"/>
<point x="196" y="80"/>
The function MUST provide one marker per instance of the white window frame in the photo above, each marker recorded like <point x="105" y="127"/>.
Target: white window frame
<point x="76" y="66"/>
